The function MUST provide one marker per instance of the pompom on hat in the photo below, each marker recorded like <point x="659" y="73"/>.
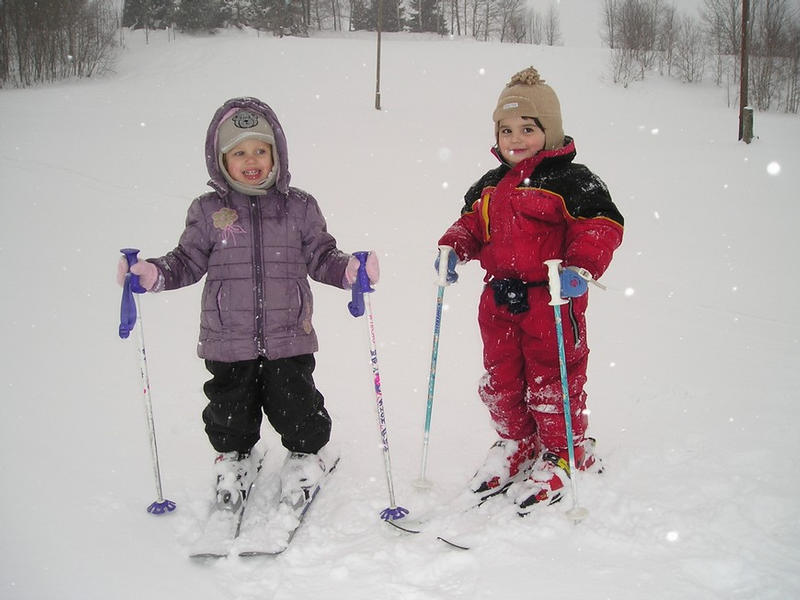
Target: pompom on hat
<point x="527" y="95"/>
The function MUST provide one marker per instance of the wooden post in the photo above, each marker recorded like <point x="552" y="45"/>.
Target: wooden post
<point x="744" y="74"/>
<point x="378" y="69"/>
<point x="747" y="125"/>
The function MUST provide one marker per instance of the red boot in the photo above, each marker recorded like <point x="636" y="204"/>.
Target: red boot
<point x="506" y="460"/>
<point x="550" y="474"/>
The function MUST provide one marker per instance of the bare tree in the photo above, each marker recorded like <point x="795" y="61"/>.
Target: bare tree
<point x="509" y="12"/>
<point x="622" y="66"/>
<point x="609" y="13"/>
<point x="690" y="51"/>
<point x="793" y="69"/>
<point x="552" y="26"/>
<point x="455" y="16"/>
<point x="483" y="28"/>
<point x="723" y="24"/>
<point x="668" y="30"/>
<point x="769" y="47"/>
<point x="634" y="26"/>
<point x="5" y="43"/>
<point x="722" y="21"/>
<point x="48" y="40"/>
<point x="535" y="27"/>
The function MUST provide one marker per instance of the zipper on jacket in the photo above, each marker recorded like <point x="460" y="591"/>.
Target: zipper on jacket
<point x="258" y="275"/>
<point x="576" y="332"/>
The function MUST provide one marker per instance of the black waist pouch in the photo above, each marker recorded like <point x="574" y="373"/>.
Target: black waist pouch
<point x="513" y="293"/>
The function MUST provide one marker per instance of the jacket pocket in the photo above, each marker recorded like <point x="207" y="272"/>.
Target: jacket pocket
<point x="211" y="315"/>
<point x="305" y="306"/>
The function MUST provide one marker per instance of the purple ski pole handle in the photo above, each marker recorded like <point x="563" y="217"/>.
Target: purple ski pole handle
<point x="361" y="285"/>
<point x="127" y="313"/>
<point x="132" y="258"/>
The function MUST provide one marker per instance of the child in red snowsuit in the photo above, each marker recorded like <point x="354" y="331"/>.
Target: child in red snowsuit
<point x="537" y="205"/>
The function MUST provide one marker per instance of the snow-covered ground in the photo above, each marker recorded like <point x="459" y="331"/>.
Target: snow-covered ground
<point x="693" y="376"/>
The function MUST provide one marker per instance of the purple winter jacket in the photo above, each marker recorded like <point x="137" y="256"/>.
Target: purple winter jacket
<point x="257" y="253"/>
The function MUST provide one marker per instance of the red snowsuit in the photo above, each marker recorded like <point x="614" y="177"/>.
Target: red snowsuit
<point x="514" y="219"/>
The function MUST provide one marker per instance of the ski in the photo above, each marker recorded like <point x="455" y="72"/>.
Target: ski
<point x="415" y="530"/>
<point x="222" y="527"/>
<point x="218" y="535"/>
<point x="472" y="503"/>
<point x="453" y="544"/>
<point x="270" y="528"/>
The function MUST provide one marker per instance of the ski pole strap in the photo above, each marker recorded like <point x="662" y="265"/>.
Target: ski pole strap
<point x="127" y="311"/>
<point x="361" y="285"/>
<point x="513" y="293"/>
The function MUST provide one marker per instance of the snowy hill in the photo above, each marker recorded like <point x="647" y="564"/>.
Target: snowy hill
<point x="692" y="380"/>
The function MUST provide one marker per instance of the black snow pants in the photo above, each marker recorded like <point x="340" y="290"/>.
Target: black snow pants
<point x="282" y="389"/>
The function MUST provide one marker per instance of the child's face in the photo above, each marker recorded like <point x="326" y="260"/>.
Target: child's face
<point x="249" y="162"/>
<point x="519" y="138"/>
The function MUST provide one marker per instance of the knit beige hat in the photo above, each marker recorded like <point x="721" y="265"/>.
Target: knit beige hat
<point x="526" y="95"/>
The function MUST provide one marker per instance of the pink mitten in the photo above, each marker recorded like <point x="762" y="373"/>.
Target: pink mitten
<point x="351" y="272"/>
<point x="122" y="270"/>
<point x="147" y="272"/>
<point x="372" y="267"/>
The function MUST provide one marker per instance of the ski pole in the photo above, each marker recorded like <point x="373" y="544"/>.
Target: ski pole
<point x="576" y="513"/>
<point x="130" y="312"/>
<point x="444" y="253"/>
<point x="361" y="301"/>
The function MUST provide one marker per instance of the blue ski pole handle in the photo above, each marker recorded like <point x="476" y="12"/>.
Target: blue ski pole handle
<point x="361" y="285"/>
<point x="132" y="258"/>
<point x="127" y="313"/>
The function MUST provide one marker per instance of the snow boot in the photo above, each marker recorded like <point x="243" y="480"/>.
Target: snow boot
<point x="545" y="484"/>
<point x="505" y="460"/>
<point x="300" y="475"/>
<point x="235" y="472"/>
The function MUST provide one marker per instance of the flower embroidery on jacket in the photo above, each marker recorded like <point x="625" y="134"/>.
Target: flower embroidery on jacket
<point x="225" y="220"/>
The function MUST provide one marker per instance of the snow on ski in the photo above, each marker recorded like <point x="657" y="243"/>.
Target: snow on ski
<point x="222" y="527"/>
<point x="270" y="526"/>
<point x="218" y="535"/>
<point x="461" y="505"/>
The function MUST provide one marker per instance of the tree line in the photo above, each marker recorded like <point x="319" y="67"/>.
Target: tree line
<point x="649" y="36"/>
<point x="504" y="20"/>
<point x="48" y="40"/>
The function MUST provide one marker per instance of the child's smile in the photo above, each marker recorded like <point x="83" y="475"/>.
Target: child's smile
<point x="519" y="138"/>
<point x="254" y="175"/>
<point x="250" y="161"/>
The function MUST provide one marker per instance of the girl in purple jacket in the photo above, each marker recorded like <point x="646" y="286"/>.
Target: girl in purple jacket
<point x="257" y="240"/>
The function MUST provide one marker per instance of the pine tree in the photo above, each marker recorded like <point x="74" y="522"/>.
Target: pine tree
<point x="286" y="17"/>
<point x="199" y="15"/>
<point x="147" y="14"/>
